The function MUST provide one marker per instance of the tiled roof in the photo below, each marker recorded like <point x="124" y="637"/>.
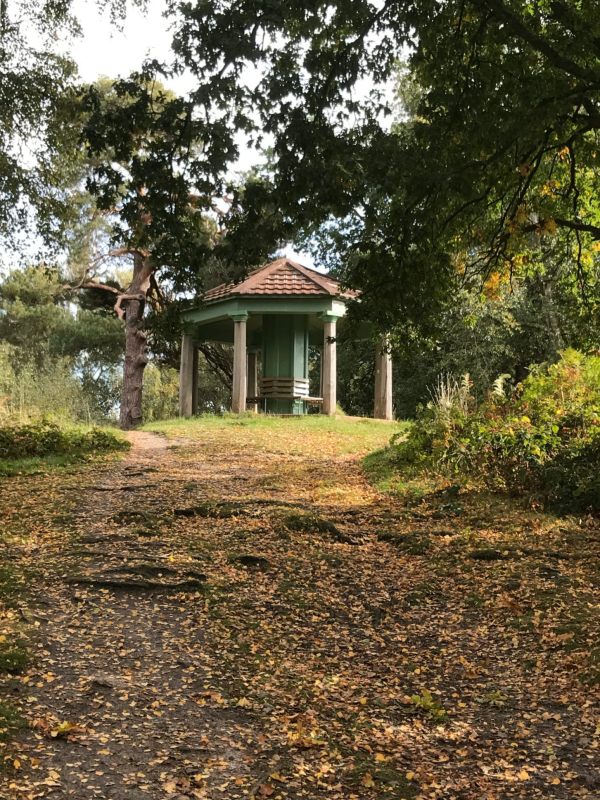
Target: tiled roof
<point x="279" y="278"/>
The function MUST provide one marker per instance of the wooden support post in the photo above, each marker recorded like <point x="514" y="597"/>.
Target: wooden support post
<point x="383" y="381"/>
<point x="253" y="377"/>
<point x="238" y="399"/>
<point x="195" y="382"/>
<point x="329" y="366"/>
<point x="186" y="377"/>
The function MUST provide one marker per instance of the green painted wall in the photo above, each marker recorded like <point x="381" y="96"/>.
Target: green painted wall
<point x="285" y="355"/>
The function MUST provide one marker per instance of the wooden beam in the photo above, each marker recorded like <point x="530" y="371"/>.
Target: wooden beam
<point x="195" y="381"/>
<point x="329" y="367"/>
<point x="238" y="399"/>
<point x="383" y="382"/>
<point x="186" y="377"/>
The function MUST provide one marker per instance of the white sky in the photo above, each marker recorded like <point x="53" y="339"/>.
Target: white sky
<point x="104" y="50"/>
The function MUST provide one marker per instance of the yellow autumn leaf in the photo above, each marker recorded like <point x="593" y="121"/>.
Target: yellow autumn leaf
<point x="367" y="780"/>
<point x="523" y="775"/>
<point x="380" y="757"/>
<point x="61" y="729"/>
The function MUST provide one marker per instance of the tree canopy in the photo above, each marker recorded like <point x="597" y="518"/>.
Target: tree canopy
<point x="36" y="71"/>
<point x="494" y="160"/>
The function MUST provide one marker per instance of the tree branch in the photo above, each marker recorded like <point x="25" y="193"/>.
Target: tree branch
<point x="536" y="41"/>
<point x="575" y="225"/>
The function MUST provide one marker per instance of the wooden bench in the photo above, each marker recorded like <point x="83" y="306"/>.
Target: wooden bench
<point x="315" y="401"/>
<point x="284" y="389"/>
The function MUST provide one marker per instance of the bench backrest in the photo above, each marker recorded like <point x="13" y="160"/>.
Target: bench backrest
<point x="286" y="387"/>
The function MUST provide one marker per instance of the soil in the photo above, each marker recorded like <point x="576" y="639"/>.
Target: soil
<point x="304" y="642"/>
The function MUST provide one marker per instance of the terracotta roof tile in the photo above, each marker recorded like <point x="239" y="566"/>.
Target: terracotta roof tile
<point x="279" y="278"/>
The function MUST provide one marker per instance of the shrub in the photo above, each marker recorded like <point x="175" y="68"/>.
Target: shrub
<point x="45" y="438"/>
<point x="543" y="437"/>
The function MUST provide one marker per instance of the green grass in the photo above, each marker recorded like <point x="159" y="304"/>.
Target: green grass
<point x="33" y="466"/>
<point x="13" y="584"/>
<point x="294" y="435"/>
<point x="383" y="471"/>
<point x="11" y="721"/>
<point x="13" y="659"/>
<point x="36" y="464"/>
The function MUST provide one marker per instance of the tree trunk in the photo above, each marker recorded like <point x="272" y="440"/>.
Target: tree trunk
<point x="558" y="340"/>
<point x="135" y="345"/>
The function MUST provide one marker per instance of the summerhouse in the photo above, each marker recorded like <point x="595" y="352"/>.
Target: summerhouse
<point x="273" y="318"/>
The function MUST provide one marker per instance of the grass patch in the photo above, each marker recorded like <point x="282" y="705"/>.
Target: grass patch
<point x="13" y="584"/>
<point x="10" y="468"/>
<point x="384" y="471"/>
<point x="13" y="659"/>
<point x="11" y="721"/>
<point x="42" y="446"/>
<point x="249" y="561"/>
<point x="424" y="592"/>
<point x="311" y="523"/>
<point x="369" y="773"/>
<point x="308" y="523"/>
<point x="44" y="438"/>
<point x="488" y="554"/>
<point x="208" y="510"/>
<point x="300" y="435"/>
<point x="413" y="544"/>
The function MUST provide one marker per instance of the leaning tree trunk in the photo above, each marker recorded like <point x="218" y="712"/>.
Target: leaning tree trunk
<point x="135" y="345"/>
<point x="135" y="363"/>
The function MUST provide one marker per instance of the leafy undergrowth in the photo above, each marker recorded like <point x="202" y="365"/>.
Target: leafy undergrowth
<point x="38" y="446"/>
<point x="539" y="439"/>
<point x="338" y="642"/>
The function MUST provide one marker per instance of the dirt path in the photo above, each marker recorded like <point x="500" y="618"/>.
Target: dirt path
<point x="238" y="618"/>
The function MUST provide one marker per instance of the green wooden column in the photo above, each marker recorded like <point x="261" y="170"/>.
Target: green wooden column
<point x="285" y="355"/>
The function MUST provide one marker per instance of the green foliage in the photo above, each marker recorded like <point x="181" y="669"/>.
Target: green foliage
<point x="45" y="438"/>
<point x="431" y="707"/>
<point x="489" y="166"/>
<point x="496" y="329"/>
<point x="35" y="73"/>
<point x="161" y="393"/>
<point x="137" y="139"/>
<point x="55" y="357"/>
<point x="543" y="438"/>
